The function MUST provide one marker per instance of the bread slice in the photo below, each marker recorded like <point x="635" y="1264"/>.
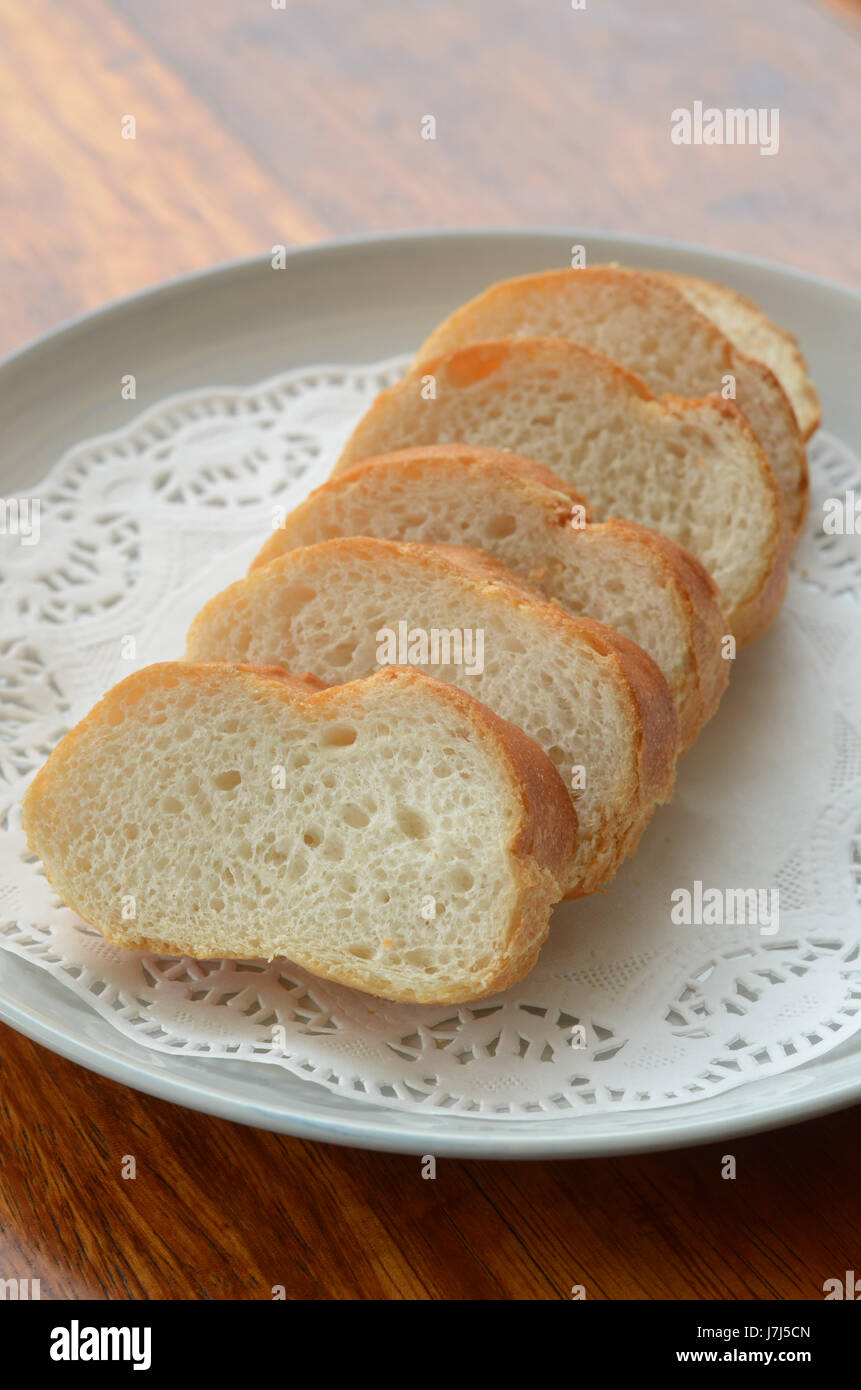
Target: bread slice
<point x="753" y="332"/>
<point x="621" y="574"/>
<point x="596" y="704"/>
<point x="391" y="834"/>
<point x="691" y="470"/>
<point x="647" y="325"/>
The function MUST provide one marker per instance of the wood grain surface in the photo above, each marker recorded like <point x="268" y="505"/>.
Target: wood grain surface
<point x="257" y="125"/>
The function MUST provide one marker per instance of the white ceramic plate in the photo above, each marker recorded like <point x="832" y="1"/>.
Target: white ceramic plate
<point x="363" y="300"/>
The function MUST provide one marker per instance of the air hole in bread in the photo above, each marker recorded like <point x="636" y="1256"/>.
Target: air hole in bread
<point x="421" y="957"/>
<point x="226" y="781"/>
<point x="412" y="824"/>
<point x="298" y="866"/>
<point x="355" y="816"/>
<point x="296" y="596"/>
<point x="341" y="655"/>
<point x="461" y="879"/>
<point x="500" y="526"/>
<point x="338" y="736"/>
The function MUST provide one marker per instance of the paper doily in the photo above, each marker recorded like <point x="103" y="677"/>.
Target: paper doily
<point x="624" y="1010"/>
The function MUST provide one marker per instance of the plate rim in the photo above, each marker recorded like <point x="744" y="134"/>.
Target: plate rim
<point x="537" y="1141"/>
<point x="375" y="1131"/>
<point x="333" y="245"/>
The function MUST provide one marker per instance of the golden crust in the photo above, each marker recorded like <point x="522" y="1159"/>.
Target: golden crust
<point x="515" y="466"/>
<point x="796" y="500"/>
<point x="541" y="844"/>
<point x="697" y="593"/>
<point x="751" y="618"/>
<point x="649" y="291"/>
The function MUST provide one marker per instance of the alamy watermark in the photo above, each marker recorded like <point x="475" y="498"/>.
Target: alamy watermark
<point x="709" y="125"/>
<point x="714" y="907"/>
<point x="22" y="1289"/>
<point x="77" y="1343"/>
<point x="19" y="516"/>
<point x="435" y="646"/>
<point x="841" y="516"/>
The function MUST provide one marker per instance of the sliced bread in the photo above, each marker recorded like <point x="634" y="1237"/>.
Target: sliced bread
<point x="692" y="470"/>
<point x="621" y="574"/>
<point x="753" y="332"/>
<point x="647" y="325"/>
<point x="391" y="834"/>
<point x="596" y="704"/>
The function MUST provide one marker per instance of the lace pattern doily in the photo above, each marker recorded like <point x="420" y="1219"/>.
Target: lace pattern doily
<point x="624" y="1010"/>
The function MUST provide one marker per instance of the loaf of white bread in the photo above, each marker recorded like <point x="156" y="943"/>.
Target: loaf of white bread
<point x="592" y="481"/>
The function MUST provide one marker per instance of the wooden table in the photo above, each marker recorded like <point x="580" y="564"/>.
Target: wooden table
<point x="256" y="126"/>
